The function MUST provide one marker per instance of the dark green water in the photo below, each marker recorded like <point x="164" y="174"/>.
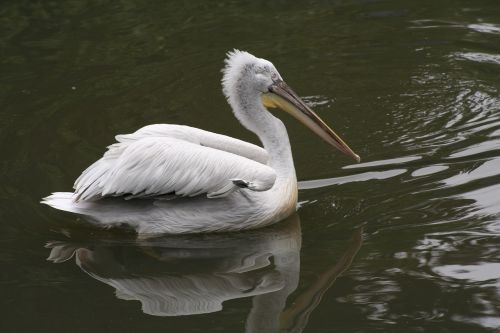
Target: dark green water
<point x="407" y="241"/>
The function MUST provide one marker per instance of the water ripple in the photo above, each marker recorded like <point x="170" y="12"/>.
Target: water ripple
<point x="318" y="100"/>
<point x="485" y="27"/>
<point x="361" y="177"/>
<point x="487" y="200"/>
<point x="429" y="170"/>
<point x="485" y="170"/>
<point x="398" y="160"/>
<point x="477" y="149"/>
<point x="479" y="57"/>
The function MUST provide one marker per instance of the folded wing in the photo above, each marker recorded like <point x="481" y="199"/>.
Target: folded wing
<point x="155" y="163"/>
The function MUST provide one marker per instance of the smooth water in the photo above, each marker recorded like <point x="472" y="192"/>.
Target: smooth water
<point x="406" y="241"/>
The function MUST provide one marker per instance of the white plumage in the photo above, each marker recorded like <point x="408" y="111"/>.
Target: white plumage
<point x="166" y="159"/>
<point x="219" y="183"/>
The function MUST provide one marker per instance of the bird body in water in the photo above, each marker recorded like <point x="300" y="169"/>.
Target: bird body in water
<point x="180" y="179"/>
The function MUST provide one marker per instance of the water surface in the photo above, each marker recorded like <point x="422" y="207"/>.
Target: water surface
<point x="406" y="241"/>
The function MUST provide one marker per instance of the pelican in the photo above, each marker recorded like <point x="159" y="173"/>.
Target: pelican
<point x="203" y="181"/>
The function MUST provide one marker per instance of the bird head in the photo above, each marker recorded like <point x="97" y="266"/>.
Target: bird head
<point x="247" y="75"/>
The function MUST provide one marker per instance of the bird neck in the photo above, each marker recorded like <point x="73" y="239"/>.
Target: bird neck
<point x="270" y="130"/>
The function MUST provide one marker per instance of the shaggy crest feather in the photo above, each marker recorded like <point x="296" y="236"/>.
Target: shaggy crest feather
<point x="234" y="62"/>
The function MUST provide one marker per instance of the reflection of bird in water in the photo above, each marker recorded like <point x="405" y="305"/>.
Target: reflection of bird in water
<point x="220" y="183"/>
<point x="194" y="274"/>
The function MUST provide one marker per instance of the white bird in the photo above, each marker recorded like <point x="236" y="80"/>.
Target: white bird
<point x="203" y="181"/>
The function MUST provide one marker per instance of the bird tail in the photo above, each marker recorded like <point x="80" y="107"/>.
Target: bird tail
<point x="65" y="201"/>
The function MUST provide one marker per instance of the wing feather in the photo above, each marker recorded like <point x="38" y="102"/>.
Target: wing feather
<point x="152" y="166"/>
<point x="201" y="137"/>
